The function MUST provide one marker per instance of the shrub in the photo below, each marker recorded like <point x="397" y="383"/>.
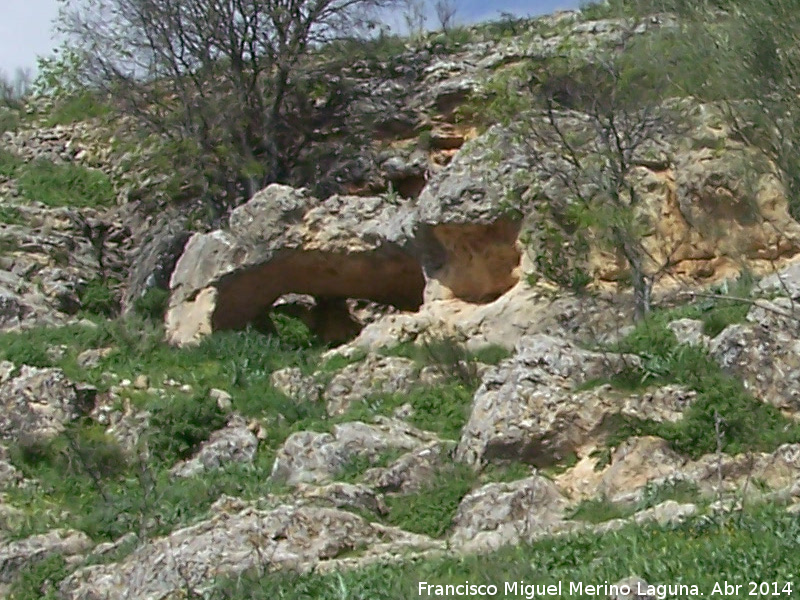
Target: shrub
<point x="748" y="423"/>
<point x="178" y="426"/>
<point x="152" y="304"/>
<point x="98" y="298"/>
<point x="293" y="332"/>
<point x="11" y="215"/>
<point x="37" y="581"/>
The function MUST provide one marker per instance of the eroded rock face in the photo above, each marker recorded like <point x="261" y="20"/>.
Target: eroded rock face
<point x="764" y="353"/>
<point x="283" y="241"/>
<point x="470" y="247"/>
<point x="37" y="403"/>
<point x="48" y="258"/>
<point x="526" y="408"/>
<point x="239" y="537"/>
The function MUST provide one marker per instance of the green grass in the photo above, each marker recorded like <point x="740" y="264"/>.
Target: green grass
<point x="78" y="486"/>
<point x="430" y="511"/>
<point x="81" y="106"/>
<point x="748" y="547"/>
<point x="11" y="215"/>
<point x="64" y="184"/>
<point x="600" y="510"/>
<point x="443" y="409"/>
<point x="748" y="423"/>
<point x="10" y="164"/>
<point x="38" y="580"/>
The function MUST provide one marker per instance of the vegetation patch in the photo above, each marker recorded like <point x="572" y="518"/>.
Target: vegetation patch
<point x="64" y="184"/>
<point x="431" y="510"/>
<point x="443" y="409"/>
<point x="747" y="423"/>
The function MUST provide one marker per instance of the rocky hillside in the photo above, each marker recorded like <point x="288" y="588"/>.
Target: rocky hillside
<point x="433" y="374"/>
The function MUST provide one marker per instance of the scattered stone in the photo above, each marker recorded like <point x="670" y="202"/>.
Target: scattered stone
<point x="141" y="382"/>
<point x="632" y="585"/>
<point x="343" y="495"/>
<point x="6" y="370"/>
<point x="223" y="399"/>
<point x="89" y="359"/>
<point x="292" y="383"/>
<point x="689" y="332"/>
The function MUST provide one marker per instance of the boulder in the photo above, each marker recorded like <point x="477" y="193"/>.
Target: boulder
<point x="310" y="457"/>
<point x="235" y="443"/>
<point x="500" y="514"/>
<point x="282" y="241"/>
<point x="38" y="403"/>
<point x="526" y="409"/>
<point x="764" y="353"/>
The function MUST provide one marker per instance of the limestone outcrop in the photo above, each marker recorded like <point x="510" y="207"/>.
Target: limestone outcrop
<point x="527" y="408"/>
<point x="237" y="538"/>
<point x="282" y="241"/>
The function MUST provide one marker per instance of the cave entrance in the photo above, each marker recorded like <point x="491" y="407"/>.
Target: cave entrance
<point x="325" y="290"/>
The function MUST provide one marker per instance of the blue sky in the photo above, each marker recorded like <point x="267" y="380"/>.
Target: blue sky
<point x="26" y="25"/>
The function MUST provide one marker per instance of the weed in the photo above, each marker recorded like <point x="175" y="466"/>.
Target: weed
<point x="748" y="423"/>
<point x="98" y="297"/>
<point x="38" y="580"/>
<point x="179" y="424"/>
<point x="443" y="409"/>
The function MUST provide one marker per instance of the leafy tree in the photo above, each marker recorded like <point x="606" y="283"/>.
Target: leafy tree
<point x="227" y="84"/>
<point x="591" y="122"/>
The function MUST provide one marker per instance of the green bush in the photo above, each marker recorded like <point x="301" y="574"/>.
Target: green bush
<point x="38" y="581"/>
<point x="748" y="423"/>
<point x="443" y="409"/>
<point x="152" y="304"/>
<point x="10" y="164"/>
<point x="178" y="425"/>
<point x="293" y="332"/>
<point x="10" y="215"/>
<point x="98" y="298"/>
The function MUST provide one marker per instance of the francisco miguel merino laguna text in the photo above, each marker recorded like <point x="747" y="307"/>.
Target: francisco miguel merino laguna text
<point x="534" y="590"/>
